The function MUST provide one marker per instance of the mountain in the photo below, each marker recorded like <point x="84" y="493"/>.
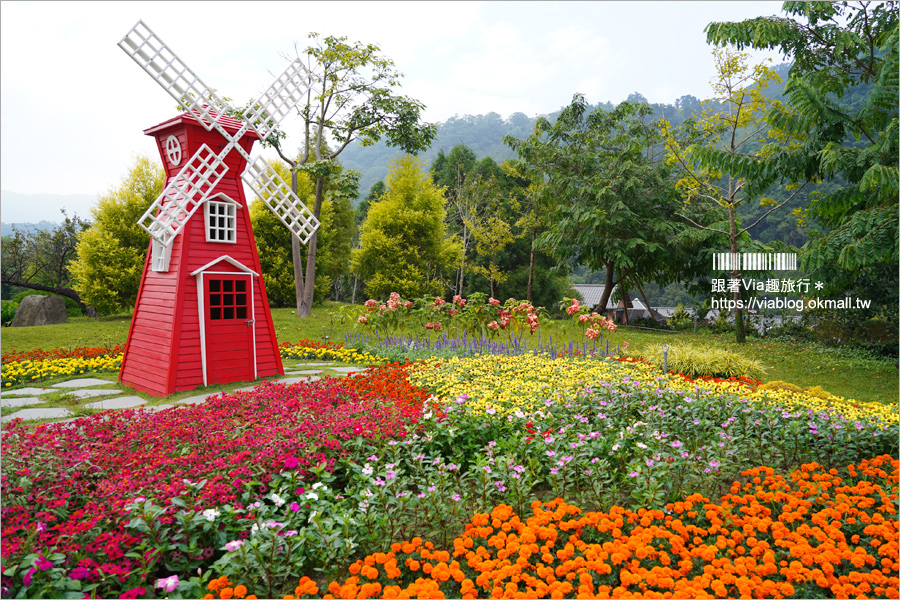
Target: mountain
<point x="32" y="208"/>
<point x="7" y="228"/>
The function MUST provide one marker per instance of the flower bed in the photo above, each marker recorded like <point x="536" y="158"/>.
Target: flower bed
<point x="24" y="368"/>
<point x="66" y="490"/>
<point x="811" y="535"/>
<point x="259" y="489"/>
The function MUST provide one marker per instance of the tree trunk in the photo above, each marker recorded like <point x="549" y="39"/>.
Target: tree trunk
<point x="607" y="290"/>
<point x="61" y="291"/>
<point x="646" y="303"/>
<point x="739" y="332"/>
<point x="530" y="268"/>
<point x="310" y="282"/>
<point x="297" y="259"/>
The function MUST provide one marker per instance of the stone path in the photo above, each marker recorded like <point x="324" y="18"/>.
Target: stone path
<point x="105" y="395"/>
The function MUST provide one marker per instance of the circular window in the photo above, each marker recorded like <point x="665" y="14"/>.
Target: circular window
<point x="173" y="150"/>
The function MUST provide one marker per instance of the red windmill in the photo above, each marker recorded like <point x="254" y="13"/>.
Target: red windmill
<point x="202" y="315"/>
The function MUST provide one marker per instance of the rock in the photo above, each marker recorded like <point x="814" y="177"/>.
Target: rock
<point x="40" y="310"/>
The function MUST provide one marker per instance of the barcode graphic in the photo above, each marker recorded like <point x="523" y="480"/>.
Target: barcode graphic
<point x="755" y="261"/>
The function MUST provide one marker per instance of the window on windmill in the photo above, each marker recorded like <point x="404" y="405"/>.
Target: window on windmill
<point x="221" y="222"/>
<point x="161" y="256"/>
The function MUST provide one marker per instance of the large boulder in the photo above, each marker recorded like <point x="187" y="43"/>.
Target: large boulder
<point x="40" y="310"/>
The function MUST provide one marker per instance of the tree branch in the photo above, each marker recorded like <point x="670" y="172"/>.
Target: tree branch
<point x="791" y="197"/>
<point x="699" y="226"/>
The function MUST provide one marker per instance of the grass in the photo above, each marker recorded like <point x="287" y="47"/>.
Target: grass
<point x="803" y="364"/>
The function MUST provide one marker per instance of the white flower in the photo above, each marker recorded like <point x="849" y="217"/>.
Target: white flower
<point x="210" y="514"/>
<point x="615" y="447"/>
<point x="278" y="500"/>
<point x="311" y="496"/>
<point x="254" y="529"/>
<point x="318" y="485"/>
<point x="367" y="470"/>
<point x="641" y="446"/>
<point x="312" y="514"/>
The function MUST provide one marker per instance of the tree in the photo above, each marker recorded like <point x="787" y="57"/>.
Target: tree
<point x="39" y="260"/>
<point x="608" y="201"/>
<point x="491" y="237"/>
<point x="273" y="240"/>
<point x="843" y="94"/>
<point x="403" y="243"/>
<point x="110" y="255"/>
<point x="353" y="100"/>
<point x="712" y="172"/>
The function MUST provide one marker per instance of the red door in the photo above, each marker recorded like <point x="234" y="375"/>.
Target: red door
<point x="229" y="328"/>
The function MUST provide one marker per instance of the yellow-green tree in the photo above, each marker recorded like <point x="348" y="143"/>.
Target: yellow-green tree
<point x="404" y="246"/>
<point x="107" y="270"/>
<point x="713" y="176"/>
<point x="274" y="241"/>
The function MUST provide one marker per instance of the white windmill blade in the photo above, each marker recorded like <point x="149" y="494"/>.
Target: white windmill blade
<point x="184" y="195"/>
<point x="279" y="198"/>
<point x="281" y="98"/>
<point x="164" y="66"/>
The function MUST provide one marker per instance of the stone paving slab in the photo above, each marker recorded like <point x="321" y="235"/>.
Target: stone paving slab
<point x="314" y="364"/>
<point x="16" y="402"/>
<point x="292" y="380"/>
<point x="195" y="399"/>
<point x="38" y="413"/>
<point x="348" y="369"/>
<point x="113" y="403"/>
<point x="93" y="393"/>
<point x="245" y="389"/>
<point x="80" y="383"/>
<point x="28" y="391"/>
<point x="307" y="372"/>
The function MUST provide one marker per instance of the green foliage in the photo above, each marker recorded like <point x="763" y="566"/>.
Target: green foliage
<point x="403" y="242"/>
<point x="7" y="313"/>
<point x="38" y="258"/>
<point x="273" y="240"/>
<point x="680" y="319"/>
<point x="72" y="307"/>
<point x="609" y="204"/>
<point x="110" y="261"/>
<point x="698" y="361"/>
<point x="848" y="136"/>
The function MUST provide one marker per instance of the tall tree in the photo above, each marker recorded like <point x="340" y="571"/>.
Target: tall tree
<point x="39" y="260"/>
<point x="403" y="243"/>
<point x="843" y="95"/>
<point x="110" y="261"/>
<point x="609" y="203"/>
<point x="712" y="172"/>
<point x="352" y="98"/>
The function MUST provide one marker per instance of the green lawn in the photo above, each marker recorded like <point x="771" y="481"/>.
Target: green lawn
<point x="801" y="364"/>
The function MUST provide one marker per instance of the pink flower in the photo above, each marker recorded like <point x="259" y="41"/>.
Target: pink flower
<point x="230" y="546"/>
<point x="493" y="325"/>
<point x="42" y="563"/>
<point x="133" y="593"/>
<point x="363" y="319"/>
<point x="371" y="304"/>
<point x="459" y="300"/>
<point x="408" y="304"/>
<point x="493" y="302"/>
<point x="612" y="327"/>
<point x="294" y="506"/>
<point x="291" y="463"/>
<point x="591" y="333"/>
<point x="168" y="584"/>
<point x="26" y="580"/>
<point x="624" y="345"/>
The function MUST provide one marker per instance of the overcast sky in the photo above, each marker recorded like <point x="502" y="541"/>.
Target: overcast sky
<point x="74" y="105"/>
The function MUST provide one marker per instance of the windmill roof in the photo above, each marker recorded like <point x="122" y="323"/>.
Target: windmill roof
<point x="228" y="123"/>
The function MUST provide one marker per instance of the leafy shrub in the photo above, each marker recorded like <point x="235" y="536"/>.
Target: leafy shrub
<point x="650" y="323"/>
<point x="817" y="392"/>
<point x="72" y="308"/>
<point x="721" y="324"/>
<point x="681" y="319"/>
<point x="780" y="385"/>
<point x="791" y="330"/>
<point x="8" y="313"/>
<point x="697" y="361"/>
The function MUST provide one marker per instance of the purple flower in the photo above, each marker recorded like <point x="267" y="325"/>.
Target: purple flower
<point x="27" y="579"/>
<point x="169" y="584"/>
<point x="233" y="545"/>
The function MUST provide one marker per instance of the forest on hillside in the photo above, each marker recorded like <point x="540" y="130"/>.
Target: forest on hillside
<point x="795" y="158"/>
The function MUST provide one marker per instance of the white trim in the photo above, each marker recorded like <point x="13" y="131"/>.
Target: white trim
<point x="201" y="307"/>
<point x="160" y="256"/>
<point x="228" y="259"/>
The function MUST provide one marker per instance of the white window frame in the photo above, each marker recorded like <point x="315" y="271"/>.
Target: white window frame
<point x="230" y="215"/>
